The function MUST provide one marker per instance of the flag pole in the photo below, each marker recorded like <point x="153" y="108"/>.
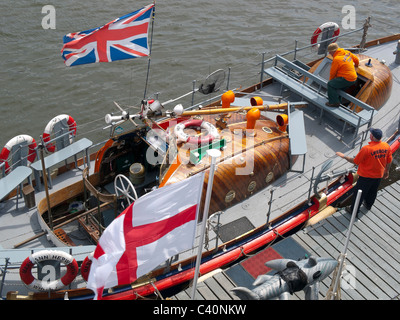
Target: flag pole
<point x="214" y="154"/>
<point x="334" y="290"/>
<point x="151" y="45"/>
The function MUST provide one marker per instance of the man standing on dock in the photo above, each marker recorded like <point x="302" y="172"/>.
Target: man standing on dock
<point x="342" y="74"/>
<point x="373" y="162"/>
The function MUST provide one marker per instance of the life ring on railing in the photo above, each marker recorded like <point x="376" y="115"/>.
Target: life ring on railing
<point x="212" y="132"/>
<point x="15" y="141"/>
<point x="25" y="271"/>
<point x="51" y="147"/>
<point x="85" y="267"/>
<point x="322" y="27"/>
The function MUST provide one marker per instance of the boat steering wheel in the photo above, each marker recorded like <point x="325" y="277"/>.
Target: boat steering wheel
<point x="124" y="188"/>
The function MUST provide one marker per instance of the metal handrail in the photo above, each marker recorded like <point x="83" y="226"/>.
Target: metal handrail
<point x="311" y="45"/>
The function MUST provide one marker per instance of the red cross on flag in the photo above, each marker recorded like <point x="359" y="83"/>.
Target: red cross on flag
<point x="154" y="228"/>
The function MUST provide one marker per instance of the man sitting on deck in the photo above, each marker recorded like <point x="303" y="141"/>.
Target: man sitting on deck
<point x="342" y="73"/>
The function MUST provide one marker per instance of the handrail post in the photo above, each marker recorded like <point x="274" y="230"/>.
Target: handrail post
<point x="262" y="70"/>
<point x="229" y="78"/>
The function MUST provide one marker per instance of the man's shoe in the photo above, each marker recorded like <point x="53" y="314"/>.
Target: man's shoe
<point x="366" y="206"/>
<point x="333" y="105"/>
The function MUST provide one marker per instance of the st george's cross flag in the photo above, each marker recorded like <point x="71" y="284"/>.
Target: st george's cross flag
<point x="153" y="229"/>
<point x="123" y="38"/>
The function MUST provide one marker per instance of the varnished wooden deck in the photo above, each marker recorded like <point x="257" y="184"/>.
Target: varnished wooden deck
<point x="372" y="266"/>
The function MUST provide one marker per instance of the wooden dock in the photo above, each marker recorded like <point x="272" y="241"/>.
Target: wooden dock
<point x="372" y="265"/>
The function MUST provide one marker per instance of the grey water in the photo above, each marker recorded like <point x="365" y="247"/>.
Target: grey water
<point x="190" y="40"/>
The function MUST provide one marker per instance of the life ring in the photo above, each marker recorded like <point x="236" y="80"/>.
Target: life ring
<point x="25" y="271"/>
<point x="212" y="132"/>
<point x="51" y="147"/>
<point x="85" y="267"/>
<point x="23" y="138"/>
<point x="314" y="37"/>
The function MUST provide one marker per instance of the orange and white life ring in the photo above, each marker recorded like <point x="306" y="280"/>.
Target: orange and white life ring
<point x="51" y="147"/>
<point x="322" y="27"/>
<point x="85" y="267"/>
<point x="212" y="132"/>
<point x="19" y="140"/>
<point x="25" y="271"/>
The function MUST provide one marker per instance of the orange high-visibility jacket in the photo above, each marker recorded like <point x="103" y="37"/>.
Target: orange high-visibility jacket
<point x="373" y="159"/>
<point x="343" y="65"/>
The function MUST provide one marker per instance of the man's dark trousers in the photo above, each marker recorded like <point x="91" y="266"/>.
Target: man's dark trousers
<point x="369" y="188"/>
<point x="336" y="84"/>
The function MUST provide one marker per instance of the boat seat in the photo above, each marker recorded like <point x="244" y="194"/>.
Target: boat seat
<point x="14" y="179"/>
<point x="70" y="151"/>
<point x="297" y="135"/>
<point x="317" y="98"/>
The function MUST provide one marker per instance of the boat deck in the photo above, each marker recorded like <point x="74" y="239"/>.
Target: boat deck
<point x="323" y="140"/>
<point x="372" y="263"/>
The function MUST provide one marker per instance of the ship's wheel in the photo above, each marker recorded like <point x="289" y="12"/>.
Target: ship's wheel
<point x="124" y="189"/>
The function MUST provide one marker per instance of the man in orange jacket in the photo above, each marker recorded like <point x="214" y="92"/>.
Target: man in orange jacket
<point x="342" y="74"/>
<point x="373" y="162"/>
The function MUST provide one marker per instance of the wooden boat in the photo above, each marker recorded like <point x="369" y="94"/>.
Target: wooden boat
<point x="268" y="146"/>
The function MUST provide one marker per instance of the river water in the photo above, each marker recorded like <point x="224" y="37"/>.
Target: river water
<point x="190" y="40"/>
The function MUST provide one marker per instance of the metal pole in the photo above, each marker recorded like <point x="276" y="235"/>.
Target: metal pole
<point x="194" y="91"/>
<point x="262" y="70"/>
<point x="4" y="276"/>
<point x="151" y="45"/>
<point x="343" y="255"/>
<point x="214" y="154"/>
<point x="46" y="188"/>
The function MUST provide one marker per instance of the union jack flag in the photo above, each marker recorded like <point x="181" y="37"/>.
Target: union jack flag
<point x="123" y="38"/>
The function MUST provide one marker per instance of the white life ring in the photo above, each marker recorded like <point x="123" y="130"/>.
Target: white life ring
<point x="23" y="138"/>
<point x="25" y="271"/>
<point x="212" y="132"/>
<point x="49" y="128"/>
<point x="314" y="37"/>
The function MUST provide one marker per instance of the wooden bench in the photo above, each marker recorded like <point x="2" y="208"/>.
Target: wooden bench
<point x="70" y="151"/>
<point x="292" y="80"/>
<point x="14" y="179"/>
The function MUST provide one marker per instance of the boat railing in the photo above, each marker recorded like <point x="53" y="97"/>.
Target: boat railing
<point x="263" y="63"/>
<point x="298" y="79"/>
<point x="321" y="82"/>
<point x="297" y="50"/>
<point x="3" y="169"/>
